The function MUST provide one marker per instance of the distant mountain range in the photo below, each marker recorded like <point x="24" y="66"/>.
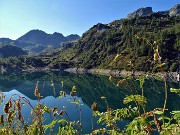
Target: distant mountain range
<point x="36" y="41"/>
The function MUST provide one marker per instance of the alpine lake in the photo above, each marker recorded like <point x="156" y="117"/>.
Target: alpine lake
<point x="89" y="89"/>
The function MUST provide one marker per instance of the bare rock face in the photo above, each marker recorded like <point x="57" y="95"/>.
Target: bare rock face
<point x="140" y="12"/>
<point x="101" y="27"/>
<point x="163" y="12"/>
<point x="175" y="11"/>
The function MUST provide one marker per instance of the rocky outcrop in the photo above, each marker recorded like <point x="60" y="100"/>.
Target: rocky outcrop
<point x="163" y="12"/>
<point x="175" y="11"/>
<point x="140" y="12"/>
<point x="101" y="27"/>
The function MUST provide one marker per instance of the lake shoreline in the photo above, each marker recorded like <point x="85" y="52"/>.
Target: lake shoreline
<point x="123" y="73"/>
<point x="172" y="76"/>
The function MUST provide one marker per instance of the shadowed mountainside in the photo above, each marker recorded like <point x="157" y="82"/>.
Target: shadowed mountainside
<point x="10" y="51"/>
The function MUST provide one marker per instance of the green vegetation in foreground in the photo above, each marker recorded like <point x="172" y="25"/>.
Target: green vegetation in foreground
<point x="141" y="120"/>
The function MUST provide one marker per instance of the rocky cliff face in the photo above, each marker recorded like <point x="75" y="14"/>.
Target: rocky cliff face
<point x="101" y="27"/>
<point x="175" y="11"/>
<point x="140" y="12"/>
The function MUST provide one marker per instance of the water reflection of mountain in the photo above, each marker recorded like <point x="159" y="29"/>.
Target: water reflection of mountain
<point x="89" y="87"/>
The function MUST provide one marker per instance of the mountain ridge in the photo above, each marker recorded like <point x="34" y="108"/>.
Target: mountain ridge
<point x="36" y="41"/>
<point x="40" y="37"/>
<point x="144" y="11"/>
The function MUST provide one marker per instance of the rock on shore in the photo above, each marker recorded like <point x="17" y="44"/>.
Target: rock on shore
<point x="172" y="76"/>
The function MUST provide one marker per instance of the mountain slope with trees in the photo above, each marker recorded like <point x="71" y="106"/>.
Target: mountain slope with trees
<point x="100" y="45"/>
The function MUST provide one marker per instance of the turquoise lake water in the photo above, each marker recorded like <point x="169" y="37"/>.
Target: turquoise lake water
<point x="90" y="88"/>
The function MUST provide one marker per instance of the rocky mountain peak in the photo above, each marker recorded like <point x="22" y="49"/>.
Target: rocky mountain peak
<point x="140" y="12"/>
<point x="42" y="38"/>
<point x="175" y="11"/>
<point x="73" y="37"/>
<point x="58" y="34"/>
<point x="35" y="31"/>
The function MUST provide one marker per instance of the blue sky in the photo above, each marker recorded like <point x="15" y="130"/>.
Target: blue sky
<point x="17" y="17"/>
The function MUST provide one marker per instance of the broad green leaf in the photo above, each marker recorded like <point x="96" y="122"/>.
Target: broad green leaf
<point x="174" y="90"/>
